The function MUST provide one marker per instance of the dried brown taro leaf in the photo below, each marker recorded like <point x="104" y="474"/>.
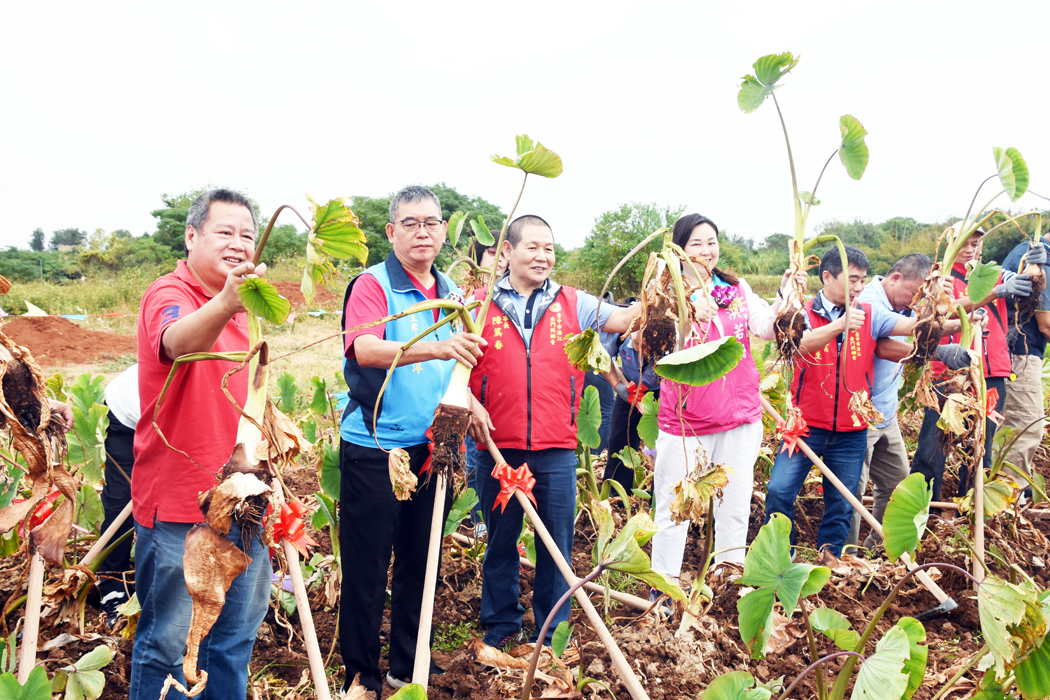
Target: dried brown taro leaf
<point x="61" y="596"/>
<point x="358" y="691"/>
<point x="401" y="477"/>
<point x="48" y="539"/>
<point x="283" y="439"/>
<point x="223" y="503"/>
<point x="210" y="563"/>
<point x="17" y="512"/>
<point x="494" y="658"/>
<point x="23" y="386"/>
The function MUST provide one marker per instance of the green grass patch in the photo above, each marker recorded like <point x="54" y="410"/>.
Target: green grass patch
<point x="449" y="638"/>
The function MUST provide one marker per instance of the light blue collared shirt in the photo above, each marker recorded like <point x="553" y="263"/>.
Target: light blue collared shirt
<point x="886" y="385"/>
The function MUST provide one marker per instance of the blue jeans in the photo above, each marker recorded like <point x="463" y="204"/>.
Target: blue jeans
<point x="843" y="453"/>
<point x="555" y="492"/>
<point x="476" y="515"/>
<point x="160" y="637"/>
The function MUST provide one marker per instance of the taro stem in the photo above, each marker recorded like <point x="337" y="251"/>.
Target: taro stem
<point x="839" y="690"/>
<point x="531" y="673"/>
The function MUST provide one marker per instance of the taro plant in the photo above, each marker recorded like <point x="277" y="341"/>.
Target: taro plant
<point x="932" y="304"/>
<point x="623" y="553"/>
<point x="852" y="152"/>
<point x="1013" y="619"/>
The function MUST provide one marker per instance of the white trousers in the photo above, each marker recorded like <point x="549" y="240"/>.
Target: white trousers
<point x="737" y="449"/>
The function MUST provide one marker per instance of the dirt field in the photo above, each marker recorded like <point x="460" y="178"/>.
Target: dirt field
<point x="670" y="667"/>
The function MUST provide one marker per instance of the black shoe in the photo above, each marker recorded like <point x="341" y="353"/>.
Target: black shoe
<point x="110" y="603"/>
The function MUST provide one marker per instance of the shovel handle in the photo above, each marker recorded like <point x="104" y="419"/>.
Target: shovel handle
<point x="923" y="577"/>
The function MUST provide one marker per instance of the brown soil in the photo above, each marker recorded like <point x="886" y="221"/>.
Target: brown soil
<point x="293" y="293"/>
<point x="670" y="667"/>
<point x="55" y="341"/>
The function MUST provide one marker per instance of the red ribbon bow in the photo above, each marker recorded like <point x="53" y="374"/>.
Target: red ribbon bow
<point x="290" y="527"/>
<point x="993" y="415"/>
<point x="511" y="480"/>
<point x="635" y="393"/>
<point x="790" y="434"/>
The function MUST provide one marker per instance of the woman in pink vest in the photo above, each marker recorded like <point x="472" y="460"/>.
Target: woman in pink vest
<point x="725" y="417"/>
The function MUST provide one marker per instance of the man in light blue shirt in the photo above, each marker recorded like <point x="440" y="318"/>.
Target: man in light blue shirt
<point x="887" y="461"/>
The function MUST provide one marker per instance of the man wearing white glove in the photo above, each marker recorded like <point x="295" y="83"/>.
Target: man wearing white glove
<point x="1027" y="337"/>
<point x="930" y="455"/>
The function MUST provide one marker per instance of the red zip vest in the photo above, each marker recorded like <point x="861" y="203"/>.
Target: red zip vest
<point x="994" y="348"/>
<point x="531" y="394"/>
<point x="825" y="380"/>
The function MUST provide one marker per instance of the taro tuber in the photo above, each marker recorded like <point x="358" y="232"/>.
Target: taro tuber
<point x="210" y="562"/>
<point x="932" y="306"/>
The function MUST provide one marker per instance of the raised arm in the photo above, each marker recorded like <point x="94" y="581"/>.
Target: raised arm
<point x="198" y="331"/>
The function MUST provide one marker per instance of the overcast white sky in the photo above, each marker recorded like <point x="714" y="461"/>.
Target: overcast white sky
<point x="108" y="105"/>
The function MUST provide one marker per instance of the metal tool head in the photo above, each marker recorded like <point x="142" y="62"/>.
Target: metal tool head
<point x="945" y="607"/>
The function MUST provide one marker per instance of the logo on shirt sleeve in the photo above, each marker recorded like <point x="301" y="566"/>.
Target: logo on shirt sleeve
<point x="169" y="313"/>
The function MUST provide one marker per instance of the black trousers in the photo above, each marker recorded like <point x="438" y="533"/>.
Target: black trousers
<point x="623" y="431"/>
<point x="372" y="524"/>
<point x="930" y="455"/>
<point x="116" y="493"/>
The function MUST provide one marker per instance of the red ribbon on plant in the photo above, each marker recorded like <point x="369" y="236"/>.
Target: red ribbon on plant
<point x="635" y="393"/>
<point x="792" y="430"/>
<point x="43" y="511"/>
<point x="430" y="447"/>
<point x="993" y="415"/>
<point x="511" y="480"/>
<point x="290" y="527"/>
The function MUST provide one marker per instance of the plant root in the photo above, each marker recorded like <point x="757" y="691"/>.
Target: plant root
<point x="449" y="428"/>
<point x="789" y="326"/>
<point x="932" y="306"/>
<point x="1025" y="307"/>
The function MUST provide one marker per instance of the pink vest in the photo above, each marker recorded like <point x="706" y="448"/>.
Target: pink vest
<point x="725" y="404"/>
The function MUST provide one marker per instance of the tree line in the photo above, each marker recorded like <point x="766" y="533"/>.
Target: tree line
<point x="71" y="254"/>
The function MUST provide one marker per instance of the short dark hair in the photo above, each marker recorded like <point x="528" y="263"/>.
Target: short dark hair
<point x="912" y="267"/>
<point x="683" y="228"/>
<point x="201" y="207"/>
<point x="412" y="193"/>
<point x="831" y="262"/>
<point x="514" y="230"/>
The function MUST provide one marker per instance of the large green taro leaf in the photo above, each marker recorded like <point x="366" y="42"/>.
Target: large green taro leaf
<point x="769" y="569"/>
<point x="262" y="299"/>
<point x="533" y="157"/>
<point x="1013" y="171"/>
<point x="904" y="521"/>
<point x="702" y="363"/>
<point x="768" y="70"/>
<point x="853" y="152"/>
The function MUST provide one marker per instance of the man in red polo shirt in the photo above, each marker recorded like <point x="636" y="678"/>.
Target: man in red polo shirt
<point x="193" y="309"/>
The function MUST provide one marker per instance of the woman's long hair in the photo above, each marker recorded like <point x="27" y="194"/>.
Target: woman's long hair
<point x="683" y="229"/>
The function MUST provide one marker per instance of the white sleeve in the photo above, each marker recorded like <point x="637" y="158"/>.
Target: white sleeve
<point x="760" y="315"/>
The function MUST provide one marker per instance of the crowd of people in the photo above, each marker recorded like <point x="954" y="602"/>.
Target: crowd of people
<point x="524" y="397"/>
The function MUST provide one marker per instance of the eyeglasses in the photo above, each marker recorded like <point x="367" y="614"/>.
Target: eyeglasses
<point x="412" y="225"/>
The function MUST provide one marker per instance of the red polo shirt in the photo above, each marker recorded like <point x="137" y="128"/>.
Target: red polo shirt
<point x="196" y="417"/>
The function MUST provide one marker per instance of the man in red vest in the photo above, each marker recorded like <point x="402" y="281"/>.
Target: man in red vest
<point x="830" y="367"/>
<point x="526" y="386"/>
<point x="930" y="455"/>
